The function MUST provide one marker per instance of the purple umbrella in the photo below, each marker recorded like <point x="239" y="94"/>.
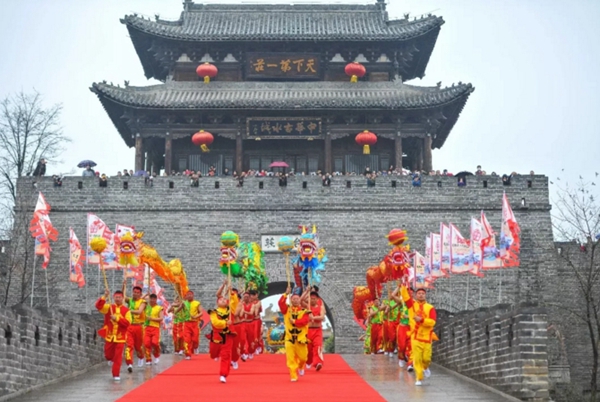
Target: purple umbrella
<point x="141" y="173"/>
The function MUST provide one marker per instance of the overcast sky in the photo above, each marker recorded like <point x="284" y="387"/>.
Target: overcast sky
<point x="534" y="64"/>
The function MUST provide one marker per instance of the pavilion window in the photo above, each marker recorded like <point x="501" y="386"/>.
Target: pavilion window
<point x="182" y="164"/>
<point x="338" y="164"/>
<point x="254" y="163"/>
<point x="313" y="163"/>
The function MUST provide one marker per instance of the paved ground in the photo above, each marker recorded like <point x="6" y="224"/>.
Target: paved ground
<point x="97" y="385"/>
<point x="396" y="384"/>
<point x="381" y="372"/>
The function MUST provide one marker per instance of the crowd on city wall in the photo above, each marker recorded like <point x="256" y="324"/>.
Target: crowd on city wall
<point x="282" y="176"/>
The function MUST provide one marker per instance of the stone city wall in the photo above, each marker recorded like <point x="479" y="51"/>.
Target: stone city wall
<point x="186" y="222"/>
<point x="503" y="346"/>
<point x="40" y="345"/>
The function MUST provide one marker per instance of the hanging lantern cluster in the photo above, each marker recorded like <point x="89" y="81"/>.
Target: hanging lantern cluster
<point x="366" y="139"/>
<point x="207" y="71"/>
<point x="355" y="71"/>
<point x="203" y="139"/>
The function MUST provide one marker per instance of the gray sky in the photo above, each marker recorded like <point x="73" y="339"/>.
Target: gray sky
<point x="534" y="64"/>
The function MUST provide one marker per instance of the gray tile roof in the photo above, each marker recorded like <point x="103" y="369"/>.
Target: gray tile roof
<point x="282" y="95"/>
<point x="251" y="22"/>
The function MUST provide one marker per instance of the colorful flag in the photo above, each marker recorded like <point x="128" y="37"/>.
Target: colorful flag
<point x="97" y="228"/>
<point x="428" y="257"/>
<point x="436" y="256"/>
<point x="446" y="244"/>
<point x="510" y="241"/>
<point x="422" y="278"/>
<point x="460" y="252"/>
<point x="42" y="230"/>
<point x="477" y="236"/>
<point x="76" y="260"/>
<point x="491" y="254"/>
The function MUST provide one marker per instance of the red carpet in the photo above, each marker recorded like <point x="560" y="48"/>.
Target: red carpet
<point x="265" y="378"/>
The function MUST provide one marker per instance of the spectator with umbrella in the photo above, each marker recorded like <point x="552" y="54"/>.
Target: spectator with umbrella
<point x="87" y="165"/>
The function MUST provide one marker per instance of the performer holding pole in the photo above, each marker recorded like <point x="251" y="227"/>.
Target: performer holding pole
<point x="375" y="319"/>
<point x="421" y="331"/>
<point x="191" y="332"/>
<point x="221" y="336"/>
<point x="117" y="319"/>
<point x="296" y="321"/>
<point x="154" y="317"/>
<point x="403" y="331"/>
<point x="315" y="332"/>
<point x="135" y="332"/>
<point x="178" y="320"/>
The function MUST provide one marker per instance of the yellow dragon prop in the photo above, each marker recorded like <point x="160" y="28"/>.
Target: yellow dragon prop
<point x="171" y="272"/>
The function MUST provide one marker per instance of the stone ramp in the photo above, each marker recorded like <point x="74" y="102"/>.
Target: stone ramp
<point x="381" y="372"/>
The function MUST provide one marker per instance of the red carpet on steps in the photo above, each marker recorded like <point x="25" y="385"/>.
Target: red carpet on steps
<point x="265" y="378"/>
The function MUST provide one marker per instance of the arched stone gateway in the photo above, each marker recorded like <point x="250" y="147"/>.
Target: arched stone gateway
<point x="278" y="288"/>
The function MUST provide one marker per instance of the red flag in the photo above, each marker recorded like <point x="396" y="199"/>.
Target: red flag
<point x="42" y="230"/>
<point x="75" y="260"/>
<point x="510" y="241"/>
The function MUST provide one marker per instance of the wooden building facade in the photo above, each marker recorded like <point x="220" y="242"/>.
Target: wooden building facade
<point x="281" y="92"/>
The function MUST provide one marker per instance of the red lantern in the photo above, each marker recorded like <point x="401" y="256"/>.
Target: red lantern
<point x="355" y="71"/>
<point x="203" y="139"/>
<point x="366" y="138"/>
<point x="207" y="71"/>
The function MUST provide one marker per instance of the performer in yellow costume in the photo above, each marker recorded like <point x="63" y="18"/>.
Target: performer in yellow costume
<point x="422" y="320"/>
<point x="296" y="320"/>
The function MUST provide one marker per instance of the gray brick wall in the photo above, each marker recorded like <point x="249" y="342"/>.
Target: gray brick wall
<point x="503" y="346"/>
<point x="37" y="346"/>
<point x="186" y="222"/>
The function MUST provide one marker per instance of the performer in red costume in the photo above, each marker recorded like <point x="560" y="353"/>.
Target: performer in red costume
<point x="248" y="323"/>
<point x="154" y="317"/>
<point x="178" y="320"/>
<point x="375" y="319"/>
<point x="135" y="332"/>
<point x="315" y="332"/>
<point x="117" y="319"/>
<point x="191" y="331"/>
<point x="221" y="337"/>
<point x="257" y="321"/>
<point x="237" y="326"/>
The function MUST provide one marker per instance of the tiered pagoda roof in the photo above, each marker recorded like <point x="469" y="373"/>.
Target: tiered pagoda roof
<point x="290" y="96"/>
<point x="210" y="23"/>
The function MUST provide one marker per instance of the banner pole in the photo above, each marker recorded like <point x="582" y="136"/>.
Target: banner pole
<point x="33" y="279"/>
<point x="467" y="293"/>
<point x="47" y="291"/>
<point x="500" y="288"/>
<point x="480" y="280"/>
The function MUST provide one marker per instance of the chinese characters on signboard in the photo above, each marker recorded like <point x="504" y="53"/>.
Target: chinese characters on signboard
<point x="267" y="127"/>
<point x="282" y="65"/>
<point x="268" y="243"/>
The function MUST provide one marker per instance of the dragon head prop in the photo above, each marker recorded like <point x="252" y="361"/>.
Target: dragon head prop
<point x="127" y="251"/>
<point x="308" y="246"/>
<point x="310" y="258"/>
